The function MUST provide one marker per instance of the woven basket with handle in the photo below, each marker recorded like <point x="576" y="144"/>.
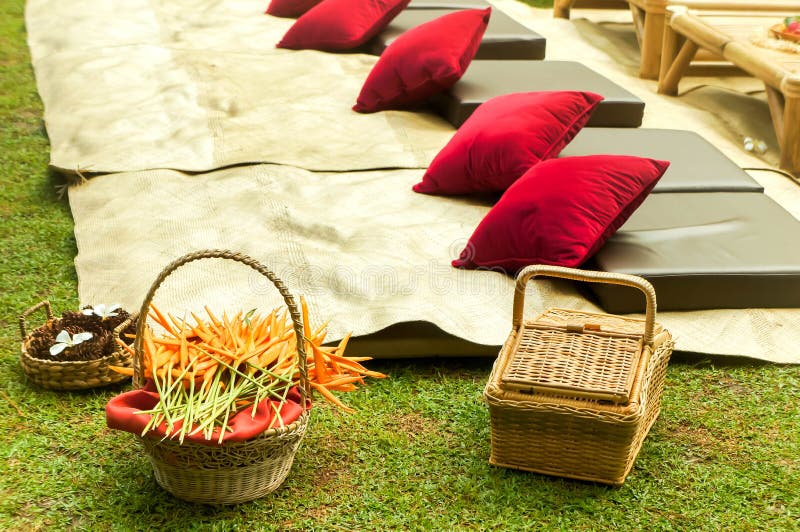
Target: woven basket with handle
<point x="67" y="374"/>
<point x="574" y="394"/>
<point x="236" y="471"/>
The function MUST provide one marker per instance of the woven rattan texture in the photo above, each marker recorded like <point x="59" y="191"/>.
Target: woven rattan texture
<point x="233" y="473"/>
<point x="573" y="437"/>
<point x="599" y="366"/>
<point x="610" y="322"/>
<point x="71" y="374"/>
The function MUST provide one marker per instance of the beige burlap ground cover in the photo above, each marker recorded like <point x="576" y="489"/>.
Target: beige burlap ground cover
<point x="200" y="86"/>
<point x="366" y="250"/>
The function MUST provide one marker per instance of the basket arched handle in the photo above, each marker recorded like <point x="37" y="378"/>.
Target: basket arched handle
<point x="119" y="329"/>
<point x="592" y="277"/>
<point x="291" y="304"/>
<point x="42" y="304"/>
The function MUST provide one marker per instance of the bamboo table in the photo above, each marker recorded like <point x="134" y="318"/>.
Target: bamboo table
<point x="649" y="17"/>
<point x="728" y="32"/>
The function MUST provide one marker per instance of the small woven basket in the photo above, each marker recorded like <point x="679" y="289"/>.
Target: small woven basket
<point x="234" y="472"/>
<point x="70" y="374"/>
<point x="573" y="394"/>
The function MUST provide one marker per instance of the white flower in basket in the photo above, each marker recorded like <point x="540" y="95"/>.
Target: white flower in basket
<point x="102" y="310"/>
<point x="64" y="340"/>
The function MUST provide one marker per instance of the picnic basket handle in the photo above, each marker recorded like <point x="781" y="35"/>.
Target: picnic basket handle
<point x="592" y="277"/>
<point x="291" y="304"/>
<point x="42" y="304"/>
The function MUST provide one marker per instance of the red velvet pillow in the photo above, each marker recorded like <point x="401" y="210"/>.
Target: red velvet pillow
<point x="290" y="8"/>
<point x="335" y="25"/>
<point x="561" y="212"/>
<point x="423" y="61"/>
<point x="504" y="137"/>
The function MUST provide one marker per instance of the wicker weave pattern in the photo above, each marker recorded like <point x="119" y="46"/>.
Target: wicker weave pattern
<point x="229" y="474"/>
<point x="621" y="324"/>
<point x="569" y="434"/>
<point x="572" y="438"/>
<point x="234" y="472"/>
<point x="583" y="364"/>
<point x="68" y="375"/>
<point x="73" y="375"/>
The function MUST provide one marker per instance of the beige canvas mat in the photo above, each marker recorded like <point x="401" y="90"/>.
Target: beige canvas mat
<point x="201" y="86"/>
<point x="364" y="249"/>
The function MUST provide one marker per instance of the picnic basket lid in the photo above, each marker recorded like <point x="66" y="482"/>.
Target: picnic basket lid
<point x="578" y="354"/>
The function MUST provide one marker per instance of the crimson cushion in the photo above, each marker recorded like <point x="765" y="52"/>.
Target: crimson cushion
<point x="335" y="25"/>
<point x="290" y="8"/>
<point x="504" y="137"/>
<point x="423" y="61"/>
<point x="561" y="212"/>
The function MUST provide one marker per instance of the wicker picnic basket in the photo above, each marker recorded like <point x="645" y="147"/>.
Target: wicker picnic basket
<point x="234" y="472"/>
<point x="573" y="394"/>
<point x="67" y="374"/>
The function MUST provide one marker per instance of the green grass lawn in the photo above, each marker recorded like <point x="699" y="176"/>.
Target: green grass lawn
<point x="725" y="453"/>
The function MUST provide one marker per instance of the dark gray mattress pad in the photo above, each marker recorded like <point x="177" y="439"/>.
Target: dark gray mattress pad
<point x="505" y="38"/>
<point x="484" y="80"/>
<point x="705" y="250"/>
<point x="696" y="165"/>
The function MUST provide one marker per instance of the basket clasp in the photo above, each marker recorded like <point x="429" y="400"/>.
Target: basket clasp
<point x="580" y="327"/>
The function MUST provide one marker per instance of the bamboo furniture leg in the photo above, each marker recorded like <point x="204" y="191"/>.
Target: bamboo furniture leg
<point x="676" y="55"/>
<point x="648" y="21"/>
<point x="789" y="134"/>
<point x="776" y="109"/>
<point x="638" y="22"/>
<point x="651" y="45"/>
<point x="785" y="109"/>
<point x="561" y="8"/>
